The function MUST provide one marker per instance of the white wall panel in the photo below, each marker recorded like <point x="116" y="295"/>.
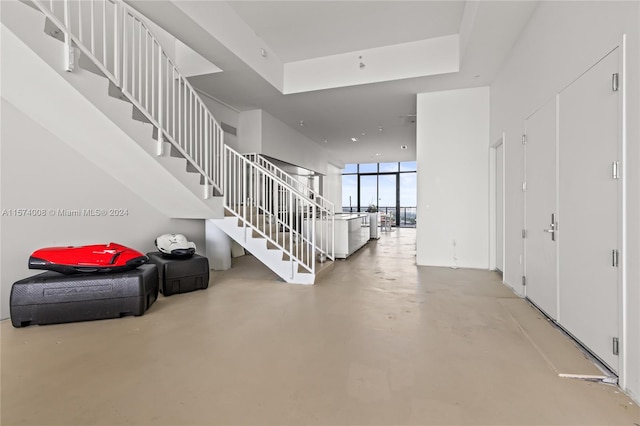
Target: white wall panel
<point x="453" y="178"/>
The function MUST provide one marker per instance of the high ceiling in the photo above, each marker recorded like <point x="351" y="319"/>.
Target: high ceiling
<point x="298" y="30"/>
<point x="380" y="114"/>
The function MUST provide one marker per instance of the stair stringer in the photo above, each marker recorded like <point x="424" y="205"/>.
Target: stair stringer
<point x="270" y="257"/>
<point x="115" y="142"/>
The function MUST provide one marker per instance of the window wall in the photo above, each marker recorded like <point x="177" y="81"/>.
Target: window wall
<point x="388" y="187"/>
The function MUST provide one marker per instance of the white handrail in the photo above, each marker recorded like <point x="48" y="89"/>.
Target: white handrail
<point x="325" y="208"/>
<point x="276" y="211"/>
<point x="121" y="45"/>
<point x="322" y="202"/>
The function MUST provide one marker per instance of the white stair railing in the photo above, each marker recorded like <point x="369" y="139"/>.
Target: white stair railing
<point x="273" y="209"/>
<point x="117" y="40"/>
<point x="322" y="202"/>
<point x="325" y="208"/>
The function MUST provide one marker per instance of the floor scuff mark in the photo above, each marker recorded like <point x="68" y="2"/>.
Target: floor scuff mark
<point x="591" y="378"/>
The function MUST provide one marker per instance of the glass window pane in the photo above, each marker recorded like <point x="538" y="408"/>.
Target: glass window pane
<point x="408" y="189"/>
<point x="387" y="191"/>
<point x="388" y="167"/>
<point x="408" y="166"/>
<point x="350" y="168"/>
<point x="368" y="191"/>
<point x="369" y="168"/>
<point x="407" y="216"/>
<point x="349" y="193"/>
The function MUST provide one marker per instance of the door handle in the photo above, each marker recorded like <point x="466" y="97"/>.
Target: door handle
<point x="552" y="229"/>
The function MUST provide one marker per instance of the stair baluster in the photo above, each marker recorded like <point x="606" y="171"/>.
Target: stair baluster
<point x="143" y="76"/>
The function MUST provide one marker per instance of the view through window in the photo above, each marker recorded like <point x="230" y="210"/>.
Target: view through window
<point x="388" y="187"/>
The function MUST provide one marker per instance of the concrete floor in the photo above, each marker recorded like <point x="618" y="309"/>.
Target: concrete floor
<point x="377" y="341"/>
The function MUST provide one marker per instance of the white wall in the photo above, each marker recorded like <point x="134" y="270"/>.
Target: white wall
<point x="191" y="63"/>
<point x="560" y="42"/>
<point x="223" y="114"/>
<point x="439" y="55"/>
<point x="287" y="144"/>
<point x="39" y="171"/>
<point x="453" y="178"/>
<point x="249" y="132"/>
<point x="332" y="186"/>
<point x="167" y="41"/>
<point x="223" y="23"/>
<point x="259" y="132"/>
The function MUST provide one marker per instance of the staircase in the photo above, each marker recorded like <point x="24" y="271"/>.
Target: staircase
<point x="283" y="226"/>
<point x="114" y="61"/>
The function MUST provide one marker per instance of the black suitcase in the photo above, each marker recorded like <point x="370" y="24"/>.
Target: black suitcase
<point x="52" y="298"/>
<point x="181" y="275"/>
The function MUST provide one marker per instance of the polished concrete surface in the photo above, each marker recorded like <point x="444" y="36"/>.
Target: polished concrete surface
<point x="377" y="341"/>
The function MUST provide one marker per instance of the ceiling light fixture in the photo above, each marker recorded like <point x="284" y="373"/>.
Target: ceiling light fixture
<point x="301" y="123"/>
<point x="380" y="128"/>
<point x="354" y="139"/>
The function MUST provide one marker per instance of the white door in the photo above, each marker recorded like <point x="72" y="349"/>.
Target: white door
<point x="589" y="141"/>
<point x="540" y="209"/>
<point x="500" y="208"/>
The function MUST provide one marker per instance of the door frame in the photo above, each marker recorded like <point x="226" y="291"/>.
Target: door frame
<point x="493" y="196"/>
<point x="622" y="227"/>
<point x="525" y="199"/>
